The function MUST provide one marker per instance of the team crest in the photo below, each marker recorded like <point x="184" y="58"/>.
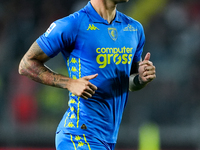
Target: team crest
<point x="113" y="33"/>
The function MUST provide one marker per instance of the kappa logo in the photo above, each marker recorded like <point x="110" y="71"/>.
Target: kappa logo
<point x="81" y="144"/>
<point x="74" y="69"/>
<point x="74" y="77"/>
<point x="92" y="27"/>
<point x="78" y="138"/>
<point x="73" y="61"/>
<point x="71" y="125"/>
<point x="72" y="108"/>
<point x="72" y="116"/>
<point x="72" y="101"/>
<point x="129" y="28"/>
<point x="113" y="33"/>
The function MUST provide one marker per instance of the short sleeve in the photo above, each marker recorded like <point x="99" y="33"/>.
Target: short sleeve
<point x="59" y="36"/>
<point x="141" y="41"/>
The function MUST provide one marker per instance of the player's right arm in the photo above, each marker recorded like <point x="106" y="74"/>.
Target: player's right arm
<point x="32" y="65"/>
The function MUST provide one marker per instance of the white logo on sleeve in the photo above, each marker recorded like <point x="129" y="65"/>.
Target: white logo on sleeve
<point x="52" y="26"/>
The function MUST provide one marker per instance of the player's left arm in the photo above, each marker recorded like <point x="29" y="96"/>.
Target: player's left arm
<point x="142" y="73"/>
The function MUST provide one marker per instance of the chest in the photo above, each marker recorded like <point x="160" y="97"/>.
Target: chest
<point x="106" y="44"/>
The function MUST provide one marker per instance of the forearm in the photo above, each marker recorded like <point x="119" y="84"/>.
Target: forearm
<point x="38" y="72"/>
<point x="135" y="83"/>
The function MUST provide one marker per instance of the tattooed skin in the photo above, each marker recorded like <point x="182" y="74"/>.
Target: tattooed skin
<point x="32" y="66"/>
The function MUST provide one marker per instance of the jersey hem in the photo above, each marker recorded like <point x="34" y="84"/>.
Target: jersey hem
<point x="81" y="132"/>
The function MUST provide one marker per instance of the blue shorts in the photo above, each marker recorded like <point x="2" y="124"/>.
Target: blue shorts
<point x="66" y="141"/>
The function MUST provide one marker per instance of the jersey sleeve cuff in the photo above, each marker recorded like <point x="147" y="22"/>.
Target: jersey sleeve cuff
<point x="44" y="48"/>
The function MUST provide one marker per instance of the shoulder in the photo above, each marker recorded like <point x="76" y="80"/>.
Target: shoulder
<point x="72" y="21"/>
<point x="65" y="29"/>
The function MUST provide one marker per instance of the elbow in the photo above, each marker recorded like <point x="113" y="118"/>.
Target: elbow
<point x="21" y="68"/>
<point x="131" y="89"/>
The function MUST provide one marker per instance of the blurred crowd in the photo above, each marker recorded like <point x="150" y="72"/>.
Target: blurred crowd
<point x="172" y="37"/>
<point x="21" y="23"/>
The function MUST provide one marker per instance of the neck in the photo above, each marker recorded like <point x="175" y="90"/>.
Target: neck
<point x="105" y="8"/>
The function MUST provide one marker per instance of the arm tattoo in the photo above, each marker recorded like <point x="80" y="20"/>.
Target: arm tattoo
<point x="32" y="66"/>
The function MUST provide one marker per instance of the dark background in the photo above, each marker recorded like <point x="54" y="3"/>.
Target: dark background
<point x="30" y="112"/>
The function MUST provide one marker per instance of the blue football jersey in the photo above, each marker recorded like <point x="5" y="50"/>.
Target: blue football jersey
<point x="90" y="45"/>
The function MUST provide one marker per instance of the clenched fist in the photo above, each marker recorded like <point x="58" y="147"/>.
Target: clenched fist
<point x="147" y="71"/>
<point x="82" y="87"/>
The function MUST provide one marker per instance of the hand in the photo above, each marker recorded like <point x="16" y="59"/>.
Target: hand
<point x="146" y="70"/>
<point x="82" y="87"/>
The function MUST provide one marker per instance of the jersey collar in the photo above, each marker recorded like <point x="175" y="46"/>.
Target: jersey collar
<point x="96" y="18"/>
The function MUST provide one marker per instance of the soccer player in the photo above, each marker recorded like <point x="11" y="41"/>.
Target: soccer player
<point x="102" y="49"/>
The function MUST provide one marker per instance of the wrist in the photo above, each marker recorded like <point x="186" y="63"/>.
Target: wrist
<point x="138" y="81"/>
<point x="69" y="84"/>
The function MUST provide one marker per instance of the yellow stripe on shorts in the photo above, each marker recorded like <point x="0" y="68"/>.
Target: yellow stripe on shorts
<point x="86" y="142"/>
<point x="73" y="142"/>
